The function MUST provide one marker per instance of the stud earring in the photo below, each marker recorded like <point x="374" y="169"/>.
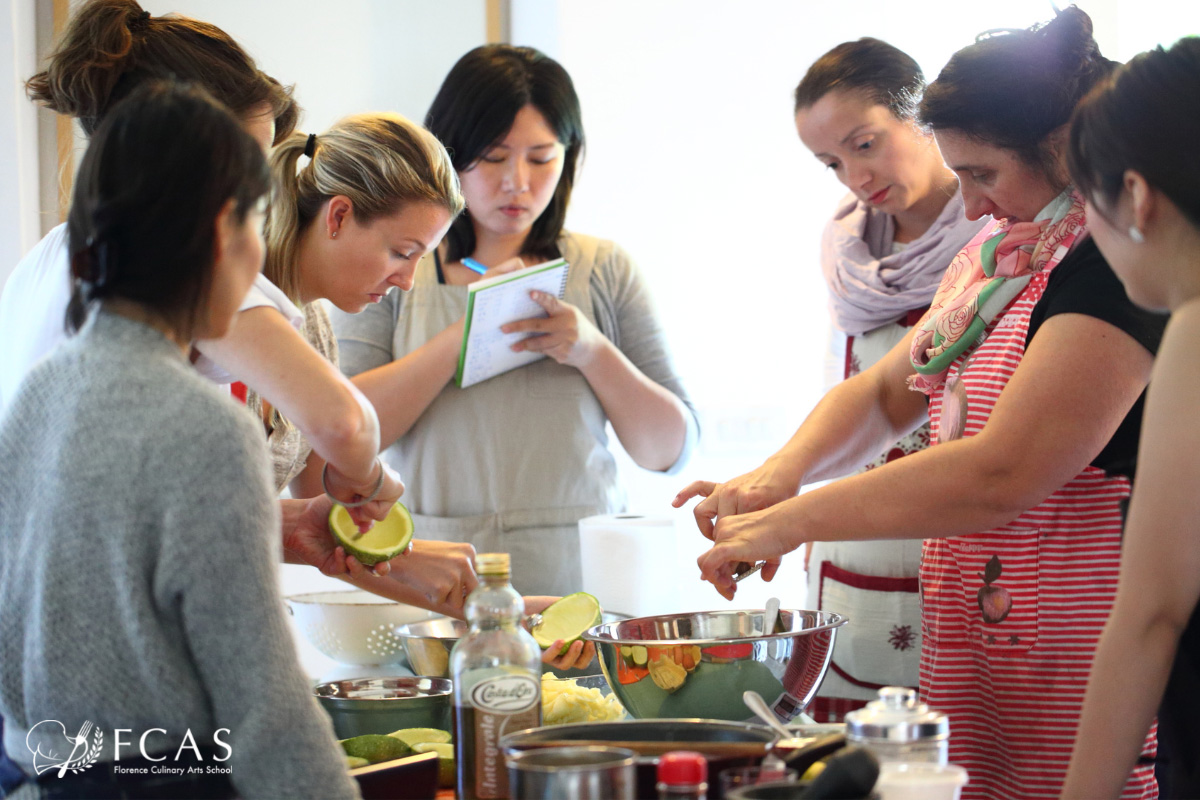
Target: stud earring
<point x="1135" y="234"/>
<point x="333" y="235"/>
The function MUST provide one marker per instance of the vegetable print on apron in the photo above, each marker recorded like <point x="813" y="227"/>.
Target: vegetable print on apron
<point x="1012" y="616"/>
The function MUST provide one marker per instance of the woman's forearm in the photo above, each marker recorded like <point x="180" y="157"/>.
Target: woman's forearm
<point x="1051" y="420"/>
<point x="1129" y="675"/>
<point x="272" y="358"/>
<point x="650" y="421"/>
<point x="856" y="421"/>
<point x="402" y="390"/>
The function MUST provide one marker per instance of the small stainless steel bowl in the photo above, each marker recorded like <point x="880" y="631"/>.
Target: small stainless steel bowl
<point x="698" y="665"/>
<point x="427" y="644"/>
<point x="381" y="705"/>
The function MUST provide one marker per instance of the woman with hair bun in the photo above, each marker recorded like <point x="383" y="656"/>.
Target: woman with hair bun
<point x="1133" y="156"/>
<point x="882" y="255"/>
<point x="1029" y="366"/>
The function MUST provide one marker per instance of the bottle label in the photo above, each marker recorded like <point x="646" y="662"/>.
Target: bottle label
<point x="510" y="694"/>
<point x="500" y="706"/>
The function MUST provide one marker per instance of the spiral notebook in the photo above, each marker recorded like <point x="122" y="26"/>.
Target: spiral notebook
<point x="486" y="352"/>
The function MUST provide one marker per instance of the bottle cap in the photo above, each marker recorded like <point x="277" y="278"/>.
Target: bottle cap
<point x="497" y="564"/>
<point x="896" y="717"/>
<point x="682" y="768"/>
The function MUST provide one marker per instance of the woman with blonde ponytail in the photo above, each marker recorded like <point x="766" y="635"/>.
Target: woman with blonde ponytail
<point x="354" y="209"/>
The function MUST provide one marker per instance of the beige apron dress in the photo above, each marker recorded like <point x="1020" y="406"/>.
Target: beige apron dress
<point x="511" y="464"/>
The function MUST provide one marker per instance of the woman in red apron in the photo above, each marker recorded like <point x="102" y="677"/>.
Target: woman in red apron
<point x="1033" y="361"/>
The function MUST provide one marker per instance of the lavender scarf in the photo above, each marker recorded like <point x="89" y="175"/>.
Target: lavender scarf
<point x="870" y="286"/>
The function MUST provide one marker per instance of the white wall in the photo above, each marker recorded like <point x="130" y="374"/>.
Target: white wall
<point x="19" y="229"/>
<point x="349" y="56"/>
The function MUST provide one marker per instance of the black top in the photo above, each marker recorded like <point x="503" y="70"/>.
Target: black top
<point x="1178" y="734"/>
<point x="1084" y="283"/>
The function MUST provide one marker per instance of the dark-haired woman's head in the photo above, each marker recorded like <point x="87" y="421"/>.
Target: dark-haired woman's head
<point x="855" y="110"/>
<point x="510" y="118"/>
<point x="887" y="75"/>
<point x="1133" y="155"/>
<point x="111" y="47"/>
<point x="1000" y="108"/>
<point x="167" y="212"/>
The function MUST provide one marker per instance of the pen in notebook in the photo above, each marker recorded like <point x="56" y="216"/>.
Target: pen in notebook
<point x="472" y="264"/>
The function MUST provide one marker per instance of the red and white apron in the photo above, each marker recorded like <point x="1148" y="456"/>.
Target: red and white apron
<point x="1011" y="617"/>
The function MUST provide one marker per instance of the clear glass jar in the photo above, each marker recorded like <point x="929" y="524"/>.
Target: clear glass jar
<point x="896" y="728"/>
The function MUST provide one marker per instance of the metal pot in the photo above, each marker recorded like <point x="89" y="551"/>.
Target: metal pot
<point x="724" y="744"/>
<point x="581" y="773"/>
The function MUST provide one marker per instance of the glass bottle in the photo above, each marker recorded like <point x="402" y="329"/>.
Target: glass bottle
<point x="496" y="668"/>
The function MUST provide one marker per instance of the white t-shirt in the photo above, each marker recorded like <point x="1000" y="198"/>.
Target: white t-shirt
<point x="33" y="309"/>
<point x="262" y="293"/>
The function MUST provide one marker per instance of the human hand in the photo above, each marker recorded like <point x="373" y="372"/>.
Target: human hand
<point x="348" y="491"/>
<point x="306" y="536"/>
<point x="444" y="572"/>
<point x="742" y="539"/>
<point x="758" y="489"/>
<point x="578" y="655"/>
<point x="566" y="335"/>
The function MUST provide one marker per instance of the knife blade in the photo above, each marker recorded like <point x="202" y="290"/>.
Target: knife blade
<point x="745" y="569"/>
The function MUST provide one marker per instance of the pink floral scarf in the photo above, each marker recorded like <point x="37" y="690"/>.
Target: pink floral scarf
<point x="983" y="278"/>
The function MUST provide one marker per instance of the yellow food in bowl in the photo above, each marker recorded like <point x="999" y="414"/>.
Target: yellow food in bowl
<point x="565" y="701"/>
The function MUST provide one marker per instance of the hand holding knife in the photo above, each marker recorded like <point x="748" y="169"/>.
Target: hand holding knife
<point x="745" y="569"/>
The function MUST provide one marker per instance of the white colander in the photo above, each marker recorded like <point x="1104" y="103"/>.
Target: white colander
<point x="354" y="627"/>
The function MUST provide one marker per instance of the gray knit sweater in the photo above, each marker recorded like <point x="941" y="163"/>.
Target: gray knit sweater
<point x="139" y="543"/>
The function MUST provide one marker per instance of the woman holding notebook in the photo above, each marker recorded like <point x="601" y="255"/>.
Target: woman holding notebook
<point x="513" y="463"/>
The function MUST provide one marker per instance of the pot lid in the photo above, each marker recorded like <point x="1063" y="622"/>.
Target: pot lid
<point x="897" y="717"/>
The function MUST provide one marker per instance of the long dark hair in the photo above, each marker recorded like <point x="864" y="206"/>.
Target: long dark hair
<point x="110" y="47"/>
<point x="1012" y="89"/>
<point x="886" y="74"/>
<point x="476" y="107"/>
<point x="156" y="174"/>
<point x="1145" y="118"/>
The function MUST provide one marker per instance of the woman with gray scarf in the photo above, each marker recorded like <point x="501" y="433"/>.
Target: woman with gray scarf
<point x="882" y="254"/>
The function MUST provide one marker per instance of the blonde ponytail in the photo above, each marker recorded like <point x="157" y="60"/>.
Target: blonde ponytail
<point x="379" y="161"/>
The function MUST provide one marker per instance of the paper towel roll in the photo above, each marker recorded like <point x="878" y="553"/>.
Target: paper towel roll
<point x="630" y="562"/>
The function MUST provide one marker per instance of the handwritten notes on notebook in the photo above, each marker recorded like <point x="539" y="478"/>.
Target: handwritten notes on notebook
<point x="486" y="352"/>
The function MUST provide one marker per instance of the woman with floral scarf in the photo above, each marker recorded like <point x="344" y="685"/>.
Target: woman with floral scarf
<point x="1029" y="366"/>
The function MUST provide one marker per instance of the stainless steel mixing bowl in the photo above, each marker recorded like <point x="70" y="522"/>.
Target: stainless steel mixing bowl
<point x="698" y="665"/>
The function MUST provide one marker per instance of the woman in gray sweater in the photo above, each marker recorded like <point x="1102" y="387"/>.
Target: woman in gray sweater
<point x="142" y="644"/>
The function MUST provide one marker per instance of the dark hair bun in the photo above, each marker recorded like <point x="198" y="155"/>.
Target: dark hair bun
<point x="1013" y="89"/>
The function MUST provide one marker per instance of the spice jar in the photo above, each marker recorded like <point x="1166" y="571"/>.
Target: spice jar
<point x="896" y="728"/>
